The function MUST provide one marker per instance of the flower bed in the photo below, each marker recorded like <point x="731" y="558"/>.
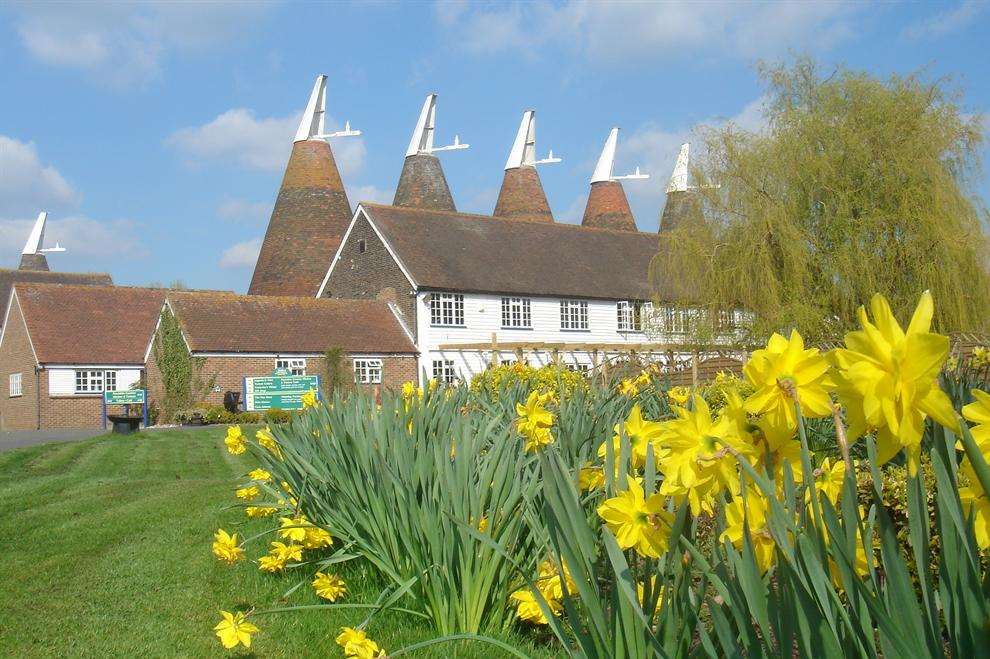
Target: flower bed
<point x="754" y="517"/>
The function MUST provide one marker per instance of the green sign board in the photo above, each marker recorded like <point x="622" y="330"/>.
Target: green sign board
<point x="281" y="372"/>
<point x="124" y="397"/>
<point x="283" y="392"/>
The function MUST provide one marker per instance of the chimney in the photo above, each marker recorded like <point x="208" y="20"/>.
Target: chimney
<point x="607" y="206"/>
<point x="681" y="202"/>
<point x="32" y="256"/>
<point x="311" y="211"/>
<point x="422" y="183"/>
<point x="521" y="196"/>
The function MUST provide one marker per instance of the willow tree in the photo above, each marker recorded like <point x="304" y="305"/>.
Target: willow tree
<point x="855" y="185"/>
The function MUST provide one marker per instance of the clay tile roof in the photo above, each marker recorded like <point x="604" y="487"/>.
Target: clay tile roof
<point x="521" y="196"/>
<point x="308" y="221"/>
<point x="423" y="185"/>
<point x="89" y="324"/>
<point x="10" y="277"/>
<point x="478" y="253"/>
<point x="608" y="207"/>
<point x="226" y="322"/>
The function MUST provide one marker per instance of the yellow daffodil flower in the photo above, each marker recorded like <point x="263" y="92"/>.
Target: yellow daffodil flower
<point x="247" y="493"/>
<point x="860" y="565"/>
<point x="293" y="528"/>
<point x="637" y="521"/>
<point x="260" y="511"/>
<point x="329" y="586"/>
<point x="786" y="364"/>
<point x="755" y="513"/>
<point x="356" y="644"/>
<point x="628" y="387"/>
<point x="267" y="440"/>
<point x="235" y="441"/>
<point x="980" y="357"/>
<point x="260" y="475"/>
<point x="641" y="434"/>
<point x="529" y="610"/>
<point x="591" y="477"/>
<point x="695" y="463"/>
<point x="309" y="399"/>
<point x="979" y="413"/>
<point x="286" y="552"/>
<point x="550" y="583"/>
<point x="829" y="478"/>
<point x="270" y="563"/>
<point x="887" y="379"/>
<point x="679" y="395"/>
<point x="234" y="630"/>
<point x="534" y="421"/>
<point x="316" y="538"/>
<point x="226" y="547"/>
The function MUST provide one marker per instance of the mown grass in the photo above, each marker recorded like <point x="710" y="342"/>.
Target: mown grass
<point x="106" y="552"/>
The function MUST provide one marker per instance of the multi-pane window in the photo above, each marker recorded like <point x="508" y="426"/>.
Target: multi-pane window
<point x="443" y="371"/>
<point x="110" y="380"/>
<point x="295" y="366"/>
<point x="676" y="321"/>
<point x="88" y="382"/>
<point x="573" y="315"/>
<point x="516" y="312"/>
<point x="630" y="316"/>
<point x="725" y="321"/>
<point x="578" y="367"/>
<point x="368" y="371"/>
<point x="447" y="309"/>
<point x="15" y="385"/>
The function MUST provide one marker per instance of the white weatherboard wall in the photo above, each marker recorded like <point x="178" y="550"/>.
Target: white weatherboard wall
<point x="62" y="381"/>
<point x="483" y="315"/>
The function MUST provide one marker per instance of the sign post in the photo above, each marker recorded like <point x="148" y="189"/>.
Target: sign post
<point x="126" y="397"/>
<point x="278" y="391"/>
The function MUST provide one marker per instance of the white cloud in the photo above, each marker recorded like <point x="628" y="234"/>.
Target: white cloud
<point x="244" y="211"/>
<point x="945" y="22"/>
<point x="89" y="242"/>
<point x="123" y="44"/>
<point x="237" y="136"/>
<point x="241" y="255"/>
<point x="369" y="193"/>
<point x="611" y="31"/>
<point x="26" y="184"/>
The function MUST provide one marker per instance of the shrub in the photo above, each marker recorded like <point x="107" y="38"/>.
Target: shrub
<point x="218" y="414"/>
<point x="543" y="379"/>
<point x="247" y="417"/>
<point x="277" y="415"/>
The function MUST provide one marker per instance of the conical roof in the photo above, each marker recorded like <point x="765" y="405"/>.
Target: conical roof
<point x="33" y="262"/>
<point x="608" y="208"/>
<point x="521" y="196"/>
<point x="422" y="184"/>
<point x="683" y="202"/>
<point x="310" y="216"/>
<point x="32" y="258"/>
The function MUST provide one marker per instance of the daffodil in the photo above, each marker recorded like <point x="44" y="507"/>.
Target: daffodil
<point x="551" y="583"/>
<point x="247" y="493"/>
<point x="641" y="434"/>
<point x="226" y="547"/>
<point x="534" y="421"/>
<point x="887" y="379"/>
<point x="271" y="563"/>
<point x="679" y="395"/>
<point x="356" y="643"/>
<point x="260" y="511"/>
<point x="754" y="513"/>
<point x="628" y="387"/>
<point x="591" y="477"/>
<point x="528" y="609"/>
<point x="860" y="564"/>
<point x="309" y="399"/>
<point x="329" y="586"/>
<point x="316" y="538"/>
<point x="286" y="552"/>
<point x="267" y="440"/>
<point x="694" y="459"/>
<point x="980" y="357"/>
<point x="979" y="413"/>
<point x="638" y="521"/>
<point x="260" y="475"/>
<point x="234" y="630"/>
<point x="293" y="528"/>
<point x="782" y="370"/>
<point x="829" y="478"/>
<point x="235" y="441"/>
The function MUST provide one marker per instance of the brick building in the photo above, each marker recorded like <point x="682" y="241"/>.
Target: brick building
<point x="62" y="345"/>
<point x="237" y="336"/>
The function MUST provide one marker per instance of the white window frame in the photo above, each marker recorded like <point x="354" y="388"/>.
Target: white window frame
<point x="15" y="385"/>
<point x="629" y="315"/>
<point x="367" y="371"/>
<point x="443" y="371"/>
<point x="88" y="381"/>
<point x="676" y="320"/>
<point x="517" y="313"/>
<point x="574" y="315"/>
<point x="446" y="310"/>
<point x="296" y="365"/>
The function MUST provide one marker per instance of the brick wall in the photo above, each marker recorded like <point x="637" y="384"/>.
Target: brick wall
<point x="16" y="356"/>
<point x="69" y="411"/>
<point x="372" y="274"/>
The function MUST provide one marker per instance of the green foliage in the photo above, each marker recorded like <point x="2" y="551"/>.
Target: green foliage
<point x="277" y="415"/>
<point x="338" y="375"/>
<point x="857" y="185"/>
<point x="551" y="377"/>
<point x="218" y="414"/>
<point x="181" y="372"/>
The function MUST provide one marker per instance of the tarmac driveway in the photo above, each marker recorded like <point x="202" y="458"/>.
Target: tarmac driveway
<point x="18" y="438"/>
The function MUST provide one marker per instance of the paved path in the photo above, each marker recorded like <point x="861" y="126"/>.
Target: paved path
<point x="18" y="438"/>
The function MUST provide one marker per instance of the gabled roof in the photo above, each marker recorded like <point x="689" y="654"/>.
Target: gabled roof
<point x="89" y="324"/>
<point x="10" y="277"/>
<point x="478" y="253"/>
<point x="226" y="322"/>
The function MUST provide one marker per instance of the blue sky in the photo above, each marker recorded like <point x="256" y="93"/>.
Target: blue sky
<point x="156" y="134"/>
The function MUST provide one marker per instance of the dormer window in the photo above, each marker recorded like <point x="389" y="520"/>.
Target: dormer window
<point x="447" y="310"/>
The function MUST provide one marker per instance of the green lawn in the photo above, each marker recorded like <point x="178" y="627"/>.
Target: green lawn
<point x="106" y="552"/>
